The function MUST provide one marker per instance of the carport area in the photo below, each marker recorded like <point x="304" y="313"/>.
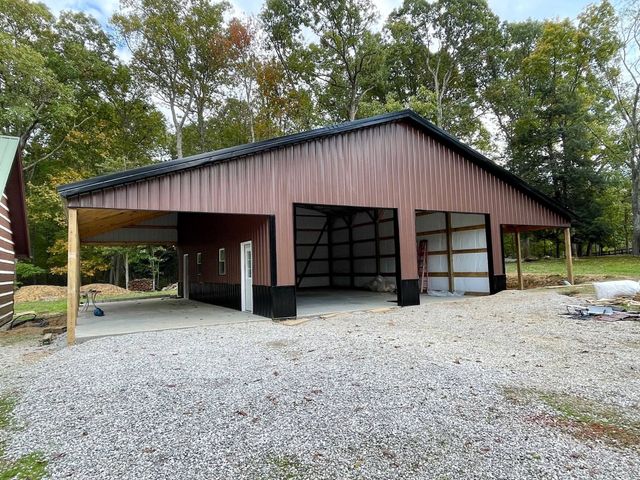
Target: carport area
<point x="155" y="314"/>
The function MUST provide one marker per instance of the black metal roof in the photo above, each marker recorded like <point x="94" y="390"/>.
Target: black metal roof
<point x="225" y="154"/>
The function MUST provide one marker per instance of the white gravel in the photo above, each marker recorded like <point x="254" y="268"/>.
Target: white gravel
<point x="413" y="393"/>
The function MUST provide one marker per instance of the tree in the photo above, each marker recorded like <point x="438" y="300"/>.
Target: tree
<point x="555" y="114"/>
<point x="345" y="61"/>
<point x="623" y="76"/>
<point x="446" y="46"/>
<point x="172" y="45"/>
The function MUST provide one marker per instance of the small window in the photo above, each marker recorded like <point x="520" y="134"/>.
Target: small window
<point x="199" y="263"/>
<point x="222" y="262"/>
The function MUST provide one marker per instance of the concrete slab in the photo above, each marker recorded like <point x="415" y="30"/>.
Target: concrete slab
<point x="147" y="315"/>
<point x="324" y="301"/>
<point x="315" y="302"/>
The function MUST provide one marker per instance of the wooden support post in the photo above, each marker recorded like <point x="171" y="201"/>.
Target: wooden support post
<point x="352" y="279"/>
<point x="450" y="252"/>
<point x="376" y="235"/>
<point x="73" y="276"/>
<point x="519" y="261"/>
<point x="568" y="254"/>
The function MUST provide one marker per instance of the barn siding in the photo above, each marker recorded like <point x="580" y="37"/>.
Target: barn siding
<point x="393" y="165"/>
<point x="7" y="262"/>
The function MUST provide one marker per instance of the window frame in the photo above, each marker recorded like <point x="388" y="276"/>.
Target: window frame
<point x="222" y="261"/>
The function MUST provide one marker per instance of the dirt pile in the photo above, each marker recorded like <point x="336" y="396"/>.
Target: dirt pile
<point x="532" y="280"/>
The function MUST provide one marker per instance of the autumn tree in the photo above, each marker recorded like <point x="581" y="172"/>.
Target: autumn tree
<point x="171" y="43"/>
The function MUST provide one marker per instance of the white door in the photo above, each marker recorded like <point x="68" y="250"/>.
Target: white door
<point x="185" y="276"/>
<point x="246" y="269"/>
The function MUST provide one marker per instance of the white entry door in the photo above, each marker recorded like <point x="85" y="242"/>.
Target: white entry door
<point x="246" y="270"/>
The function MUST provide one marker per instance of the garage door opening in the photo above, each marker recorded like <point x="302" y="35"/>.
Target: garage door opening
<point x="453" y="257"/>
<point x="346" y="258"/>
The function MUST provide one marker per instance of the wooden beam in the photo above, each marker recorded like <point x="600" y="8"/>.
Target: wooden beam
<point x="568" y="254"/>
<point x="449" y="252"/>
<point x="94" y="221"/>
<point x="73" y="276"/>
<point x="519" y="261"/>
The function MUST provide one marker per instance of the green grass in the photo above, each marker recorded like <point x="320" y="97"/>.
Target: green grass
<point x="613" y="266"/>
<point x="32" y="466"/>
<point x="7" y="402"/>
<point x="53" y="307"/>
<point x="582" y="418"/>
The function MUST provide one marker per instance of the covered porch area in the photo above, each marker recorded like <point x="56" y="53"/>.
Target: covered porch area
<point x="156" y="314"/>
<point x="211" y="273"/>
<point x="517" y="230"/>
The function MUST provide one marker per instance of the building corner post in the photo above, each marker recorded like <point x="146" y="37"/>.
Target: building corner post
<point x="519" y="261"/>
<point x="73" y="275"/>
<point x="568" y="254"/>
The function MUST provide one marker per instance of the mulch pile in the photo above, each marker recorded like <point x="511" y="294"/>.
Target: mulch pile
<point x="36" y="293"/>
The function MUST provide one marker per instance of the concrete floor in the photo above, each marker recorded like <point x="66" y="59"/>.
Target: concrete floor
<point x="153" y="314"/>
<point x="146" y="315"/>
<point x="312" y="302"/>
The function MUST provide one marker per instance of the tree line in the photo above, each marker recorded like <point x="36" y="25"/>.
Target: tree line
<point x="557" y="102"/>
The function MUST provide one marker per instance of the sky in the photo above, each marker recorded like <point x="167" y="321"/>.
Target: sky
<point x="512" y="10"/>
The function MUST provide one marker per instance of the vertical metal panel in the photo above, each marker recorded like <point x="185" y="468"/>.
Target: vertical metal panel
<point x="388" y="166"/>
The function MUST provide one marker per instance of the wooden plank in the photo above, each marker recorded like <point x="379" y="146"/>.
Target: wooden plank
<point x="568" y="254"/>
<point x="519" y="261"/>
<point x="468" y="228"/>
<point x="73" y="276"/>
<point x="459" y="274"/>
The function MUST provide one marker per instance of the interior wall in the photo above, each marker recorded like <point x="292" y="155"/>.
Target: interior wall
<point x="312" y="248"/>
<point x="343" y="250"/>
<point x="206" y="234"/>
<point x="457" y="254"/>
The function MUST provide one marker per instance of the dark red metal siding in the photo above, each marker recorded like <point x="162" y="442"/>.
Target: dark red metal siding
<point x="388" y="166"/>
<point x="206" y="233"/>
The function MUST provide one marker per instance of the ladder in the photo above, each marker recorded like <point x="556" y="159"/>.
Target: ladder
<point x="422" y="264"/>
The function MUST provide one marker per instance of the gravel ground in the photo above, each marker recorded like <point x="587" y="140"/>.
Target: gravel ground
<point x="413" y="393"/>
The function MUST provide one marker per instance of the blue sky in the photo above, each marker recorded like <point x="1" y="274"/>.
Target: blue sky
<point x="506" y="9"/>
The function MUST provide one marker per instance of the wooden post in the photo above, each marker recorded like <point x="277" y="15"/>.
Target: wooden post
<point x="73" y="276"/>
<point x="568" y="254"/>
<point x="519" y="261"/>
<point x="450" y="252"/>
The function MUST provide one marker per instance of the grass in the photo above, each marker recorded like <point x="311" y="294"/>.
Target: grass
<point x="581" y="418"/>
<point x="287" y="467"/>
<point x="32" y="466"/>
<point x="612" y="266"/>
<point x="53" y="307"/>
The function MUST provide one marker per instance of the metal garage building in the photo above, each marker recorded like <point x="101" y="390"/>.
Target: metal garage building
<point x="330" y="208"/>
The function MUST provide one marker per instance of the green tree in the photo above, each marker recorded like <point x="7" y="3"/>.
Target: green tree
<point x="345" y="60"/>
<point x="555" y="114"/>
<point x="176" y="53"/>
<point x="445" y="46"/>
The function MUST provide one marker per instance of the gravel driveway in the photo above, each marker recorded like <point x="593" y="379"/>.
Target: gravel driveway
<point x="494" y="387"/>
